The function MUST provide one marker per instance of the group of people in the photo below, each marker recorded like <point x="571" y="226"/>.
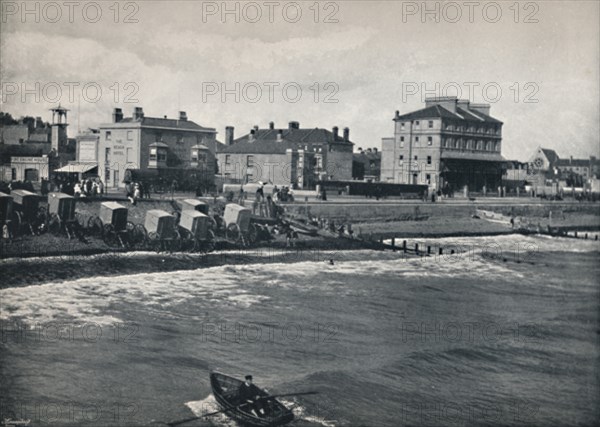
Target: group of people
<point x="88" y="188"/>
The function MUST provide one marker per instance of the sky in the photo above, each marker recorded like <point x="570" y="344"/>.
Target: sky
<point x="323" y="64"/>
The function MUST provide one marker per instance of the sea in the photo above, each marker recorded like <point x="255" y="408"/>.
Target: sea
<point x="504" y="331"/>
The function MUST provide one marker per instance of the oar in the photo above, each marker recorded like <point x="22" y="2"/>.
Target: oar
<point x="303" y="393"/>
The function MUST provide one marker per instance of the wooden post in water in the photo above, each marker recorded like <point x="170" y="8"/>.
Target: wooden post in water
<point x="417" y="248"/>
<point x="428" y="250"/>
<point x="585" y="236"/>
<point x="394" y="244"/>
<point x="441" y="251"/>
<point x="404" y="246"/>
<point x="575" y="234"/>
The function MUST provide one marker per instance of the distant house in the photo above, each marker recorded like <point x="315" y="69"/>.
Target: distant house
<point x="366" y="164"/>
<point x="297" y="157"/>
<point x="545" y="166"/>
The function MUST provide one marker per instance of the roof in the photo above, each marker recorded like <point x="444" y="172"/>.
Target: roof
<point x="438" y="111"/>
<point x="77" y="167"/>
<point x="162" y="123"/>
<point x="265" y="141"/>
<point x="550" y="154"/>
<point x="573" y="162"/>
<point x="159" y="144"/>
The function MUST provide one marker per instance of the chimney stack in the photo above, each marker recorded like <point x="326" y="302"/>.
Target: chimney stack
<point x="182" y="116"/>
<point x="117" y="115"/>
<point x="448" y="102"/>
<point x="571" y="160"/>
<point x="375" y="150"/>
<point x="335" y="131"/>
<point x="251" y="136"/>
<point x="138" y="113"/>
<point x="271" y="125"/>
<point x="293" y="125"/>
<point x="397" y="115"/>
<point x="229" y="135"/>
<point x="347" y="134"/>
<point x="481" y="108"/>
<point x="280" y="135"/>
<point x="256" y="128"/>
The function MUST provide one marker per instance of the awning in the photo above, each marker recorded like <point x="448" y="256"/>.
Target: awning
<point x="77" y="168"/>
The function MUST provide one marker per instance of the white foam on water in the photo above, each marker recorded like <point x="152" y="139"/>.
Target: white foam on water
<point x="208" y="405"/>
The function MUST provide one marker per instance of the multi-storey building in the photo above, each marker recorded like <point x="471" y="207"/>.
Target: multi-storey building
<point x="450" y="142"/>
<point x="142" y="143"/>
<point x="294" y="156"/>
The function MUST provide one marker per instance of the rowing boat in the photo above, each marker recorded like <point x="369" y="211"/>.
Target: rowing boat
<point x="225" y="389"/>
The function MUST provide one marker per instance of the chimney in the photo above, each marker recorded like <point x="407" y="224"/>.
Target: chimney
<point x="375" y="150"/>
<point x="271" y="125"/>
<point x="251" y="136"/>
<point x="280" y="135"/>
<point x="229" y="135"/>
<point x="481" y="108"/>
<point x="571" y="160"/>
<point x="117" y="115"/>
<point x="256" y="128"/>
<point x="182" y="116"/>
<point x="293" y="125"/>
<point x="369" y="150"/>
<point x="138" y="113"/>
<point x="335" y="133"/>
<point x="347" y="134"/>
<point x="448" y="102"/>
<point x="397" y="115"/>
<point x="463" y="103"/>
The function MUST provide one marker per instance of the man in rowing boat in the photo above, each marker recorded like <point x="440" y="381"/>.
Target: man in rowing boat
<point x="249" y="393"/>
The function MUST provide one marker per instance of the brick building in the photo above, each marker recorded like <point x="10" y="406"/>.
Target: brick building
<point x="450" y="142"/>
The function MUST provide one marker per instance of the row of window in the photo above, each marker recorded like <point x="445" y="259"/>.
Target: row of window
<point x="416" y="158"/>
<point x="159" y="137"/>
<point x="460" y="144"/>
<point x="417" y="140"/>
<point x="459" y="128"/>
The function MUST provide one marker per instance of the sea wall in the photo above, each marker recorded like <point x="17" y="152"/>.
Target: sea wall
<point x="384" y="211"/>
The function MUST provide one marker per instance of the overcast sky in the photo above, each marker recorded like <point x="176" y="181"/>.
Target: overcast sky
<point x="375" y="57"/>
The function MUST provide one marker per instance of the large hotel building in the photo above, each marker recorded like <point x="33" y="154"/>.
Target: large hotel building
<point x="449" y="143"/>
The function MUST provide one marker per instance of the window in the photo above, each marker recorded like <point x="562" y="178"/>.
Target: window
<point x="401" y="141"/>
<point x="107" y="175"/>
<point x="129" y="135"/>
<point x="129" y="155"/>
<point x="180" y="139"/>
<point x="250" y="161"/>
<point x="162" y="155"/>
<point x="107" y="154"/>
<point x="497" y="146"/>
<point x="116" y="181"/>
<point x="227" y="159"/>
<point x="194" y="156"/>
<point x="153" y="154"/>
<point x="429" y="140"/>
<point x="416" y="157"/>
<point x="108" y="135"/>
<point x="416" y="139"/>
<point x="402" y="125"/>
<point x="417" y="123"/>
<point x="428" y="160"/>
<point x="430" y="124"/>
<point x="428" y="178"/>
<point x="159" y="136"/>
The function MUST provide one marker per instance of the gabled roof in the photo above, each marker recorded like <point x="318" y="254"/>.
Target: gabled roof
<point x="265" y="141"/>
<point x="298" y="136"/>
<point x="550" y="155"/>
<point x="437" y="111"/>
